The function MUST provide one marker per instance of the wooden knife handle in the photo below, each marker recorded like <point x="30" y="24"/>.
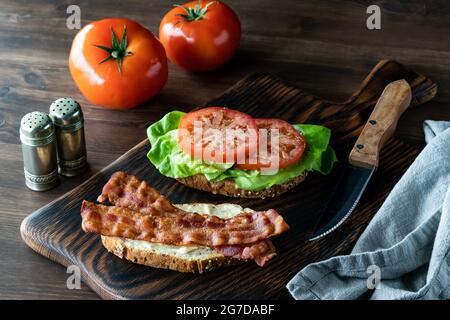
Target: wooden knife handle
<point x="394" y="100"/>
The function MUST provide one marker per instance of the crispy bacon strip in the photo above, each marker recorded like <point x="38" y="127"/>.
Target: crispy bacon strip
<point x="261" y="252"/>
<point x="126" y="191"/>
<point x="183" y="228"/>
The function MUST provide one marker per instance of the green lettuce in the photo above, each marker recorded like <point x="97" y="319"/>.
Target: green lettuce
<point x="171" y="161"/>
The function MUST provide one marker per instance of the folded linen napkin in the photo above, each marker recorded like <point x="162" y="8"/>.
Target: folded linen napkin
<point x="407" y="243"/>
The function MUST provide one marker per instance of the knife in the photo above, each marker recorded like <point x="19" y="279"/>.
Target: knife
<point x="364" y="157"/>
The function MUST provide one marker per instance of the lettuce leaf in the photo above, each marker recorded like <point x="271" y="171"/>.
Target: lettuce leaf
<point x="168" y="157"/>
<point x="171" y="161"/>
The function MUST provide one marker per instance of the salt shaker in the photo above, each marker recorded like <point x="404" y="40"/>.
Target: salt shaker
<point x="37" y="135"/>
<point x="69" y="128"/>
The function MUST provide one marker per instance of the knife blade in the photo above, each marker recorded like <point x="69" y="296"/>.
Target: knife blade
<point x="364" y="157"/>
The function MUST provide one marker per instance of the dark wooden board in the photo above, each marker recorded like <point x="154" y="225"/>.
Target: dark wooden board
<point x="55" y="232"/>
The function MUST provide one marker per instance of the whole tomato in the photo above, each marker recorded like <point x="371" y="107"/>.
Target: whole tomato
<point x="117" y="63"/>
<point x="200" y="35"/>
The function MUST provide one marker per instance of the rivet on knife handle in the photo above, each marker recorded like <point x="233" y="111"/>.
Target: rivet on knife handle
<point x="394" y="100"/>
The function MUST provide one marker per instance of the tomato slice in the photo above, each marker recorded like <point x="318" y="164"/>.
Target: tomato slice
<point x="288" y="150"/>
<point x="217" y="134"/>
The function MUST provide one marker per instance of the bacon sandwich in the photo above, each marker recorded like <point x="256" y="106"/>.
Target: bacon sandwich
<point x="137" y="223"/>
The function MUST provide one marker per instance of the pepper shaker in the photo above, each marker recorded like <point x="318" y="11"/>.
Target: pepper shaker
<point x="37" y="135"/>
<point x="69" y="128"/>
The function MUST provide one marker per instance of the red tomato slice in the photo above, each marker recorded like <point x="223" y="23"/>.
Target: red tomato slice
<point x="291" y="146"/>
<point x="217" y="134"/>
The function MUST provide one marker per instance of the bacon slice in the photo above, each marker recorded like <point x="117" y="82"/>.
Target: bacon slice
<point x="261" y="252"/>
<point x="126" y="191"/>
<point x="183" y="228"/>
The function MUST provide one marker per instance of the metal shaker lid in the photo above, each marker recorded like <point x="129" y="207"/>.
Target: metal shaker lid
<point x="36" y="127"/>
<point x="66" y="113"/>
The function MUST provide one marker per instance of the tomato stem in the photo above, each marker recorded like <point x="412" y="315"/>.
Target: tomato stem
<point x="118" y="49"/>
<point x="196" y="13"/>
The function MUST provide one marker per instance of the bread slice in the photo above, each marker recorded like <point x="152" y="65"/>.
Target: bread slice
<point x="228" y="188"/>
<point x="197" y="259"/>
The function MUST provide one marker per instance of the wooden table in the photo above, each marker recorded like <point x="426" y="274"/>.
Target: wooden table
<point x="322" y="46"/>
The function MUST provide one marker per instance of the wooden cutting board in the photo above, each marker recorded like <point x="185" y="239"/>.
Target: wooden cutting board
<point x="55" y="230"/>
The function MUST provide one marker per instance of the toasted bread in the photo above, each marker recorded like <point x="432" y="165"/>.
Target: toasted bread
<point x="228" y="188"/>
<point x="158" y="256"/>
<point x="197" y="259"/>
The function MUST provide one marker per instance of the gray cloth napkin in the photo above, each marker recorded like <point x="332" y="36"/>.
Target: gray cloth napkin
<point x="404" y="251"/>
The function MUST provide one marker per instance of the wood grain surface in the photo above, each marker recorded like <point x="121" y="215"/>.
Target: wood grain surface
<point x="55" y="230"/>
<point x="321" y="46"/>
<point x="393" y="102"/>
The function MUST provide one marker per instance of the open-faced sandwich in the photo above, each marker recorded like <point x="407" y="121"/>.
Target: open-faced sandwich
<point x="228" y="152"/>
<point x="141" y="225"/>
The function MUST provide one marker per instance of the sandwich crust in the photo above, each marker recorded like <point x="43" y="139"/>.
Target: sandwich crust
<point x="151" y="258"/>
<point x="228" y="188"/>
